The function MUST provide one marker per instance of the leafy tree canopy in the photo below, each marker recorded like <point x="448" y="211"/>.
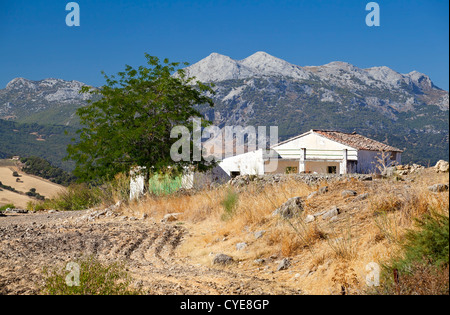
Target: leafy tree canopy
<point x="130" y="124"/>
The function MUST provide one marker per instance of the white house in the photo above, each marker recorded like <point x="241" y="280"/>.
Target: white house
<point x="316" y="151"/>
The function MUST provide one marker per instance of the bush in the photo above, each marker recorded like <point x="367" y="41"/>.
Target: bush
<point x="229" y="204"/>
<point x="423" y="265"/>
<point x="429" y="244"/>
<point x="84" y="196"/>
<point x="95" y="278"/>
<point x="33" y="193"/>
<point x="3" y="208"/>
<point x="77" y="197"/>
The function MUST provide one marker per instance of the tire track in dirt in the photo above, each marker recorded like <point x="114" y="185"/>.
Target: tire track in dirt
<point x="147" y="248"/>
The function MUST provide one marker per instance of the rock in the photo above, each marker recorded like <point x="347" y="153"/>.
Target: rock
<point x="323" y="190"/>
<point x="333" y="212"/>
<point x="259" y="234"/>
<point x="2" y="215"/>
<point x="312" y="195"/>
<point x="241" y="246"/>
<point x="222" y="259"/>
<point x="442" y="166"/>
<point x="291" y="208"/>
<point x="438" y="188"/>
<point x="310" y="218"/>
<point x="361" y="197"/>
<point x="334" y="219"/>
<point x="11" y="210"/>
<point x="389" y="171"/>
<point x="320" y="213"/>
<point x="144" y="216"/>
<point x="348" y="193"/>
<point x="284" y="264"/>
<point x="259" y="261"/>
<point x="170" y="217"/>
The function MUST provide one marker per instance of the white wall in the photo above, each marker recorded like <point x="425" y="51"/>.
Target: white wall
<point x="137" y="181"/>
<point x="251" y="163"/>
<point x="317" y="142"/>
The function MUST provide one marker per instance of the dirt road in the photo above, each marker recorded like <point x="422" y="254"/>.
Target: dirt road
<point x="31" y="241"/>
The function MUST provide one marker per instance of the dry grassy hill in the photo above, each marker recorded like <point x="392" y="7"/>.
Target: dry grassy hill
<point x="25" y="183"/>
<point x="324" y="255"/>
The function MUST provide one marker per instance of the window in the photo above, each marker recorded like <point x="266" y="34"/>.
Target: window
<point x="393" y="156"/>
<point x="235" y="174"/>
<point x="291" y="170"/>
<point x="332" y="169"/>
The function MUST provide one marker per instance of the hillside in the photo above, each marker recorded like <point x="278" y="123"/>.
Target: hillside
<point x="172" y="245"/>
<point x="48" y="142"/>
<point x="49" y="101"/>
<point x="25" y="183"/>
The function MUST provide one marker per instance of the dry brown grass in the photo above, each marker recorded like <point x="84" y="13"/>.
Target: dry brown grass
<point x="326" y="255"/>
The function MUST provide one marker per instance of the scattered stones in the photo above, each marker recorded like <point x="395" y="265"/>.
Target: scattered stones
<point x="442" y="166"/>
<point x="348" y="193"/>
<point x="260" y="261"/>
<point x="333" y="212"/>
<point x="222" y="259"/>
<point x="408" y="169"/>
<point x="259" y="234"/>
<point x="292" y="207"/>
<point x="310" y="179"/>
<point x="284" y="264"/>
<point x="438" y="188"/>
<point x="13" y="210"/>
<point x="241" y="246"/>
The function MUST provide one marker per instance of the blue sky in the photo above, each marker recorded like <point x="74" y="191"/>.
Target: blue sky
<point x="37" y="44"/>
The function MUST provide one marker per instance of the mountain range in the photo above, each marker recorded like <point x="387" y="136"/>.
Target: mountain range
<point x="405" y="110"/>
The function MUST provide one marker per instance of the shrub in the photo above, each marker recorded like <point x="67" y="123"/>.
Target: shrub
<point x="429" y="244"/>
<point x="3" y="208"/>
<point x="422" y="266"/>
<point x="77" y="197"/>
<point x="229" y="204"/>
<point x="95" y="278"/>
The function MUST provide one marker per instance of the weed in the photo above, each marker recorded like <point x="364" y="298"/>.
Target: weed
<point x="95" y="278"/>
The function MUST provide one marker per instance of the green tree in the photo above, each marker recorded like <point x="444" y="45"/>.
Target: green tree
<point x="130" y="123"/>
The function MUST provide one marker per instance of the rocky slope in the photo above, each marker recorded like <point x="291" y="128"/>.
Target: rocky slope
<point x="55" y="99"/>
<point x="405" y="110"/>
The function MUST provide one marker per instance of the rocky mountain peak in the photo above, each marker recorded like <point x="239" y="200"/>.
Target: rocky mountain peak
<point x="20" y="83"/>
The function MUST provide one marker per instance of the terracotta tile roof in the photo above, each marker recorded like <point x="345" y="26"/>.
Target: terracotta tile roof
<point x="356" y="141"/>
